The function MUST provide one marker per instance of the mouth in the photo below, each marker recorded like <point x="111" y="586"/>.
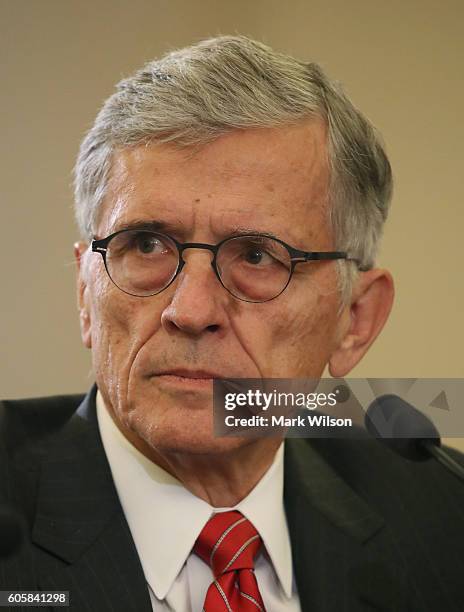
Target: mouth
<point x="191" y="374"/>
<point x="187" y="379"/>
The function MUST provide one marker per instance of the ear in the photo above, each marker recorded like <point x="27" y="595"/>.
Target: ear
<point x="80" y="249"/>
<point x="363" y="320"/>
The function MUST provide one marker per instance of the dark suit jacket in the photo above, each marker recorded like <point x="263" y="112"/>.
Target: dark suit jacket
<point x="369" y="530"/>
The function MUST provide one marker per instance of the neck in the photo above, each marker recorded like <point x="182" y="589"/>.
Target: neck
<point x="223" y="478"/>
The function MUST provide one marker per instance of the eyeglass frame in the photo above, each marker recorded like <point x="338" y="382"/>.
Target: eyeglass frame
<point x="296" y="256"/>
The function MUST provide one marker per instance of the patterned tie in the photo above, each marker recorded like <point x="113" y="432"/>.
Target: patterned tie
<point x="229" y="543"/>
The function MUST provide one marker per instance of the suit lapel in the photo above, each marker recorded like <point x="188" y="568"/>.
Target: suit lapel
<point x="84" y="544"/>
<point x="80" y="523"/>
<point x="338" y="544"/>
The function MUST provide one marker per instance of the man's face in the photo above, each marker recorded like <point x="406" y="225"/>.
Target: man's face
<point x="268" y="180"/>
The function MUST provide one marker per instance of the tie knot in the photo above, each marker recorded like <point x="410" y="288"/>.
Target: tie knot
<point x="228" y="542"/>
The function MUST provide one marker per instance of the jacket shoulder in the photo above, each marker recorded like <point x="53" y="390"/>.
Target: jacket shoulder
<point x="26" y="421"/>
<point x="396" y="486"/>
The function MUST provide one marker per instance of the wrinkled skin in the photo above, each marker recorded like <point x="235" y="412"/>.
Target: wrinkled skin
<point x="272" y="180"/>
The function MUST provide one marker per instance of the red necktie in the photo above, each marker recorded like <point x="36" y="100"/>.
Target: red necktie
<point x="229" y="543"/>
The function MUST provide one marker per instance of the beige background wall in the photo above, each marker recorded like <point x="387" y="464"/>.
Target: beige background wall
<point x="401" y="62"/>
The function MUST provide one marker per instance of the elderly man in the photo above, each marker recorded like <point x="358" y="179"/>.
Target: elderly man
<point x="230" y="201"/>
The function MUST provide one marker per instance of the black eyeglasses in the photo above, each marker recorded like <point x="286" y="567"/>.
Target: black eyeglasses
<point x="253" y="268"/>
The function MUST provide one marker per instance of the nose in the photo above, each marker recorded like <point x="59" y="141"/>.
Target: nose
<point x="198" y="301"/>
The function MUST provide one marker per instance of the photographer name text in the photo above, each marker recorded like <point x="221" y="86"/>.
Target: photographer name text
<point x="312" y="420"/>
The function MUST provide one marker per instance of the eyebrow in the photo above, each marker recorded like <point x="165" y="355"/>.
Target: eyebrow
<point x="146" y="224"/>
<point x="243" y="231"/>
<point x="154" y="225"/>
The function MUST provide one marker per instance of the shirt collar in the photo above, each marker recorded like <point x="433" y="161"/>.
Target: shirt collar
<point x="264" y="507"/>
<point x="156" y="505"/>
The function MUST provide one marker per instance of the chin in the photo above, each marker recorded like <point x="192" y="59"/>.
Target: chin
<point x="190" y="434"/>
<point x="201" y="446"/>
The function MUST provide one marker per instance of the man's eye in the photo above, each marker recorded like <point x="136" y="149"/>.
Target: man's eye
<point x="146" y="243"/>
<point x="255" y="255"/>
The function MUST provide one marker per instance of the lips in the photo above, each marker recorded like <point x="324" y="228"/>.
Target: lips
<point x="196" y="374"/>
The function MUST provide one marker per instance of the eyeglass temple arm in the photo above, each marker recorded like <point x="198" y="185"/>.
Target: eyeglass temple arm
<point x="327" y="255"/>
<point x="99" y="245"/>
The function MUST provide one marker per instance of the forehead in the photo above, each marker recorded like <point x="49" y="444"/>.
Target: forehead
<point x="273" y="180"/>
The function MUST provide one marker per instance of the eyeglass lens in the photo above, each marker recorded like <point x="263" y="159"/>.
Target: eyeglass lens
<point x="253" y="268"/>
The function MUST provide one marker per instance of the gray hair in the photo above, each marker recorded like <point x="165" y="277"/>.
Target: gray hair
<point x="193" y="95"/>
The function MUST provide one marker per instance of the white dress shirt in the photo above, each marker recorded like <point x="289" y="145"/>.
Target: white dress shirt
<point x="165" y="520"/>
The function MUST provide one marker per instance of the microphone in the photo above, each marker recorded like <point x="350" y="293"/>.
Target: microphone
<point x="408" y="432"/>
<point x="11" y="531"/>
